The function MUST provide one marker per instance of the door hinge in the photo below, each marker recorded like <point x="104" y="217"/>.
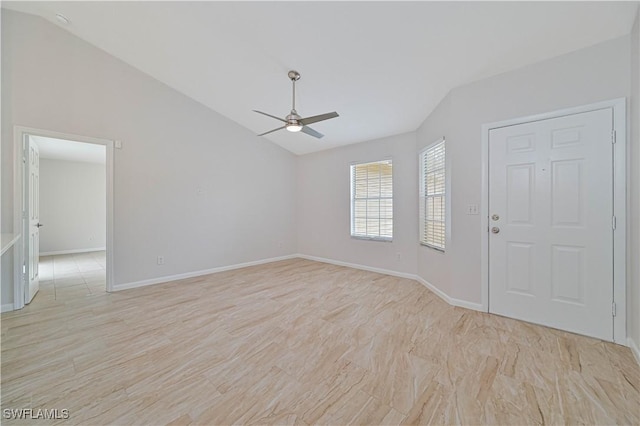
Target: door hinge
<point x="613" y="222"/>
<point x="613" y="136"/>
<point x="613" y="309"/>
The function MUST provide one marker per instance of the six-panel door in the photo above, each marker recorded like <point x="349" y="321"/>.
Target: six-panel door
<point x="551" y="204"/>
<point x="33" y="211"/>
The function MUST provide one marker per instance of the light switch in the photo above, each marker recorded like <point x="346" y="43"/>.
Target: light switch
<point x="472" y="209"/>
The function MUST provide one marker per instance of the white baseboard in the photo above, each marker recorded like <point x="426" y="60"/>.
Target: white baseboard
<point x="634" y="348"/>
<point x="466" y="304"/>
<point x="450" y="300"/>
<point x="441" y="294"/>
<point x="6" y="307"/>
<point x="87" y="250"/>
<point x="357" y="266"/>
<point x="168" y="278"/>
<point x="438" y="292"/>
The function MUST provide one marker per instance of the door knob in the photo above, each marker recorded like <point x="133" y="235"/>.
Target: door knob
<point x="495" y="229"/>
<point x="39" y="225"/>
<point x="495" y="217"/>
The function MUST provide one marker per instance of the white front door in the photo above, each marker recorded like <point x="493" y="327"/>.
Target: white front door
<point x="550" y="220"/>
<point x="32" y="165"/>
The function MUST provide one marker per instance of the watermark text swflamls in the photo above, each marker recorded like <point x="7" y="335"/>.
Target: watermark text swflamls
<point x="35" y="413"/>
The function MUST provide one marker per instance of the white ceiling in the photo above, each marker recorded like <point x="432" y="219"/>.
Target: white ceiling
<point x="383" y="66"/>
<point x="60" y="149"/>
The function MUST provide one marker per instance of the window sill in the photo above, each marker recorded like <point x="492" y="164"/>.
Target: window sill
<point x="438" y="249"/>
<point x="381" y="240"/>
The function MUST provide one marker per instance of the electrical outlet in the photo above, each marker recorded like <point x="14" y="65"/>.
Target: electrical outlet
<point x="398" y="256"/>
<point x="160" y="260"/>
<point x="472" y="209"/>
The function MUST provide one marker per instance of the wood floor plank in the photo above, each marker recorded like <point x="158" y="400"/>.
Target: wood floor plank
<point x="300" y="342"/>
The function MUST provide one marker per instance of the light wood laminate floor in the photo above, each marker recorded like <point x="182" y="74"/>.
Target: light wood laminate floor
<point x="301" y="342"/>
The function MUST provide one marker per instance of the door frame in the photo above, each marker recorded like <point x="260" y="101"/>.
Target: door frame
<point x="20" y="134"/>
<point x="619" y="109"/>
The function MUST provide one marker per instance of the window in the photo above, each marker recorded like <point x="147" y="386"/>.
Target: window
<point x="433" y="195"/>
<point x="372" y="200"/>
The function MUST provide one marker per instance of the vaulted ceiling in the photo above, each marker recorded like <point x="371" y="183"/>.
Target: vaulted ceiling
<point x="383" y="66"/>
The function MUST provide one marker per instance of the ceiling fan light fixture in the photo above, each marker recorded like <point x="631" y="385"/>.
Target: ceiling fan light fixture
<point x="294" y="127"/>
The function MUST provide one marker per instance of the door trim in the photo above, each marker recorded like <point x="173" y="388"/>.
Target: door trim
<point x="20" y="132"/>
<point x="619" y="109"/>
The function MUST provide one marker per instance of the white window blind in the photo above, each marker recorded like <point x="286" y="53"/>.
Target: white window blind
<point x="433" y="196"/>
<point x="372" y="200"/>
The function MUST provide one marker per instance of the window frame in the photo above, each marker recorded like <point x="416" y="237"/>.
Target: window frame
<point x="423" y="196"/>
<point x="352" y="166"/>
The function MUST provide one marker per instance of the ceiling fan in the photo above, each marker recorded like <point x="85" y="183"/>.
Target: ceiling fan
<point x="295" y="123"/>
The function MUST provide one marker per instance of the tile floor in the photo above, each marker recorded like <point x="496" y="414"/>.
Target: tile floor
<point x="304" y="343"/>
<point x="68" y="276"/>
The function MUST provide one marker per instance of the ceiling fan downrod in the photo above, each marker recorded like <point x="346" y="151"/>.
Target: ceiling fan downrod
<point x="294" y="76"/>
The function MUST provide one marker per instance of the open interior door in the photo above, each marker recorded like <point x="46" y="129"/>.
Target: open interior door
<point x="32" y="222"/>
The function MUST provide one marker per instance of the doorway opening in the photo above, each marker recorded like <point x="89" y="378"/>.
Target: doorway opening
<point x="65" y="210"/>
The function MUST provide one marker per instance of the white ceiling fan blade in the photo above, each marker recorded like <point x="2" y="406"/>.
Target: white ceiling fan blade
<point x="311" y="132"/>
<point x="316" y="118"/>
<point x="269" y="115"/>
<point x="271" y="131"/>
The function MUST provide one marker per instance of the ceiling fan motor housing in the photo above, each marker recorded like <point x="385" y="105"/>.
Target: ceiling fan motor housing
<point x="293" y="117"/>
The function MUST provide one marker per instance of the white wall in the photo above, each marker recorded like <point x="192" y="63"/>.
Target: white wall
<point x="72" y="206"/>
<point x="597" y="73"/>
<point x="324" y="205"/>
<point x="6" y="187"/>
<point x="6" y="159"/>
<point x="633" y="271"/>
<point x="190" y="185"/>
